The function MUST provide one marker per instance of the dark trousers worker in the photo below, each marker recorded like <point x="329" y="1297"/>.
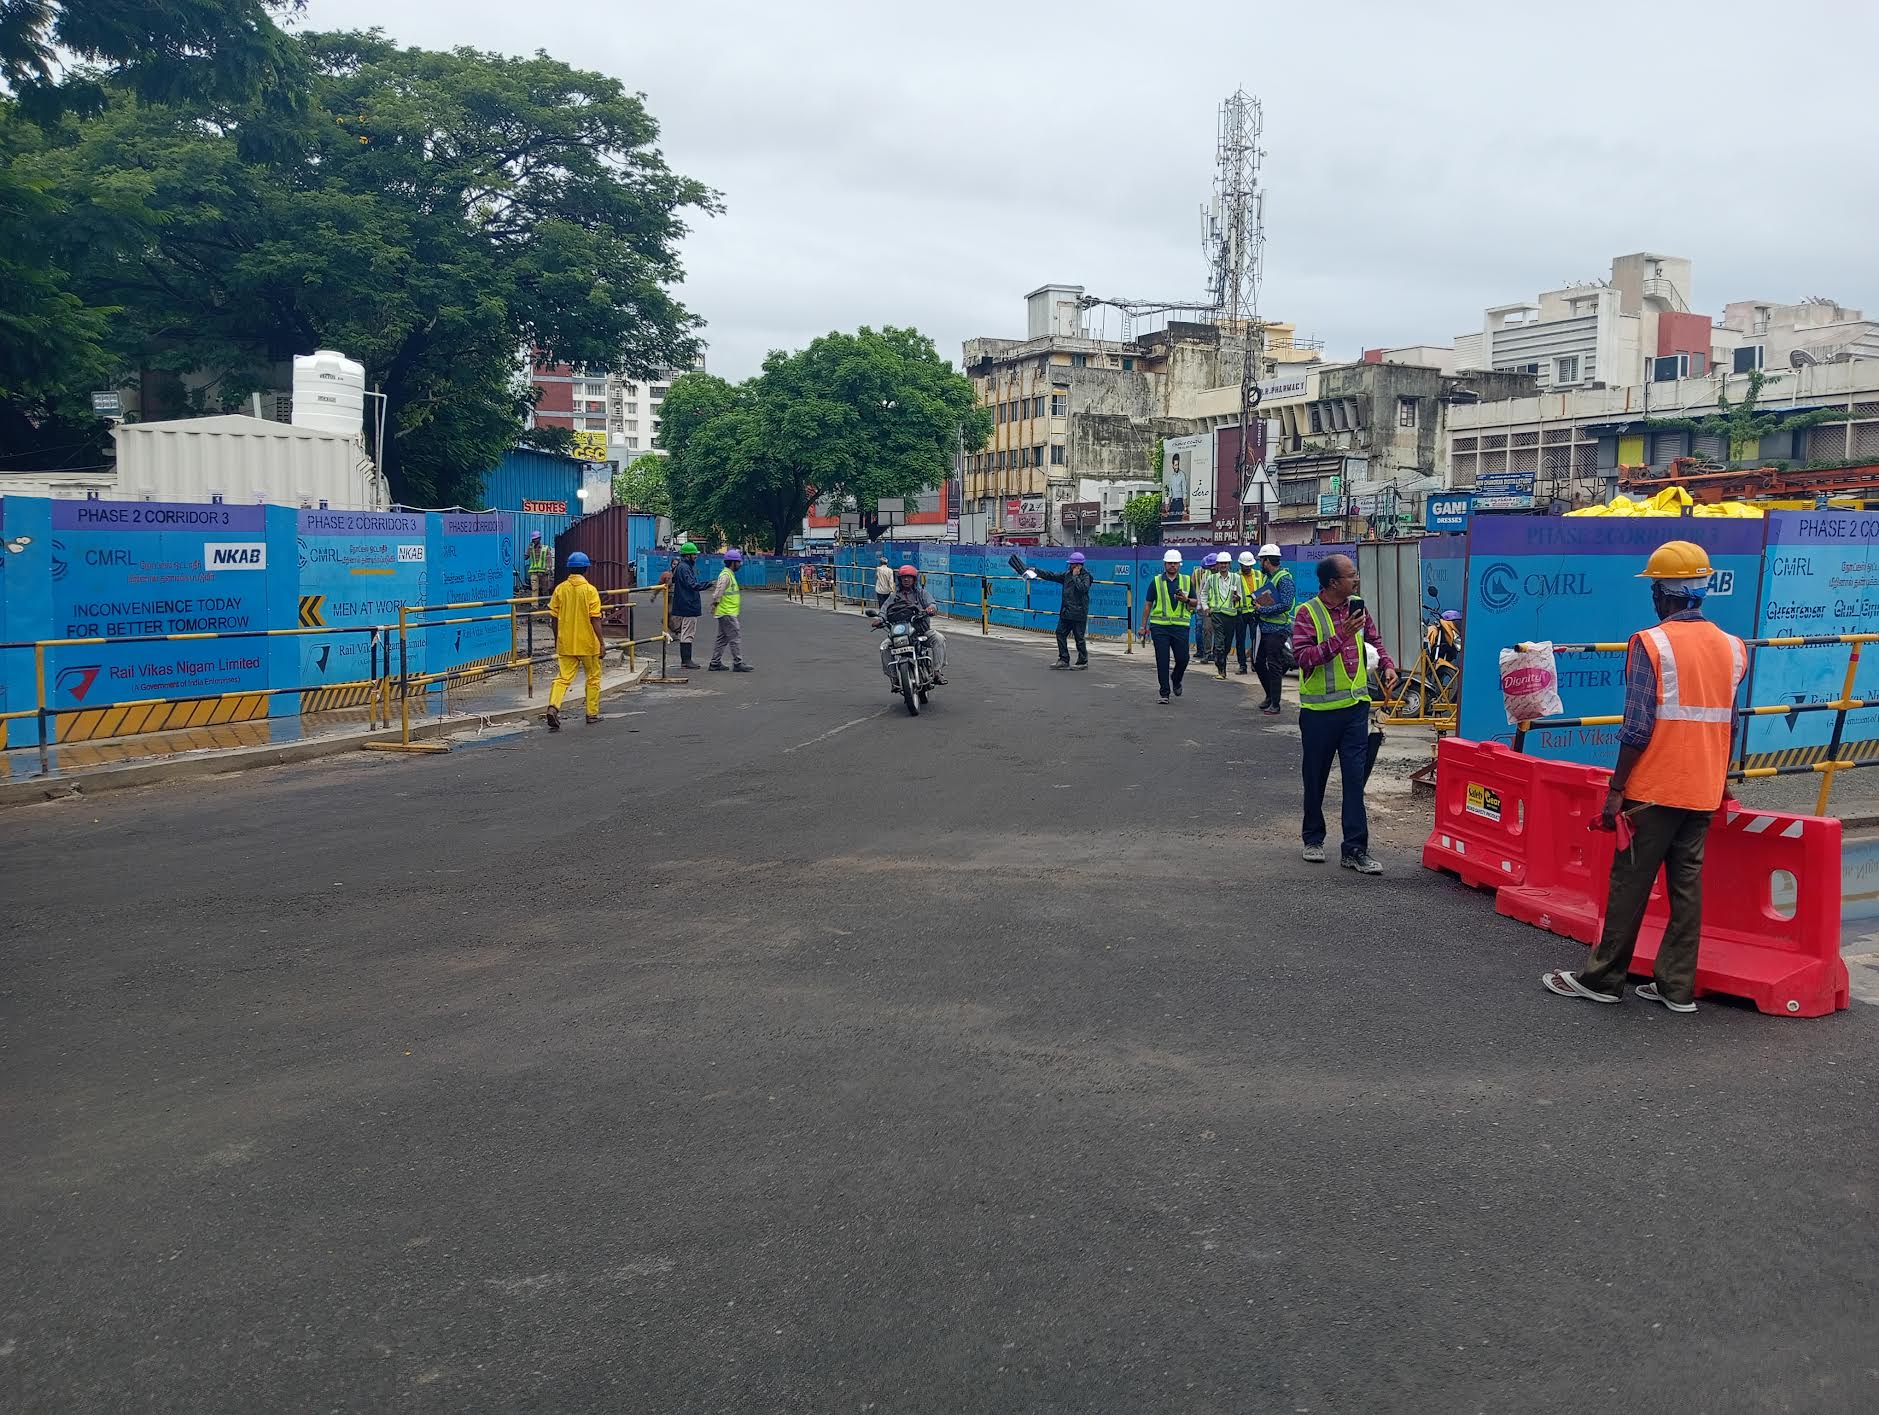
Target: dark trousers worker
<point x="1681" y="679"/>
<point x="1328" y="639"/>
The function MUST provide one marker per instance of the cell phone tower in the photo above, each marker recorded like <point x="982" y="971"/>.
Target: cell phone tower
<point x="1234" y="237"/>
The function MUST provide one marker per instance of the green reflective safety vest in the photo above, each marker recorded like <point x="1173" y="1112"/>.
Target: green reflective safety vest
<point x="1330" y="685"/>
<point x="1274" y="618"/>
<point x="1162" y="609"/>
<point x="1220" y="597"/>
<point x="541" y="560"/>
<point x="731" y="600"/>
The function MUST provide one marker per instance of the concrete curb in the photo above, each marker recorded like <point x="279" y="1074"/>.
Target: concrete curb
<point x="195" y="768"/>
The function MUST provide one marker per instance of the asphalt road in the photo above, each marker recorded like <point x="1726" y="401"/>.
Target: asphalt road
<point x="762" y="1049"/>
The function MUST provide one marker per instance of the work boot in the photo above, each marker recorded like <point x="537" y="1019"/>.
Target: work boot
<point x="717" y="668"/>
<point x="742" y="668"/>
<point x="1083" y="663"/>
<point x="554" y="719"/>
<point x="1061" y="663"/>
<point x="592" y="718"/>
<point x="1362" y="863"/>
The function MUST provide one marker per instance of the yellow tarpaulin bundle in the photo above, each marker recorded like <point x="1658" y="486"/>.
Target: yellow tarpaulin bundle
<point x="1671" y="501"/>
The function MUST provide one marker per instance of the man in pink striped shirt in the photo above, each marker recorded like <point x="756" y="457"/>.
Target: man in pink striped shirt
<point x="1329" y="634"/>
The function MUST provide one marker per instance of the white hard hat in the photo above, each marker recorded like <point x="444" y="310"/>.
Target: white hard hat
<point x="1269" y="551"/>
<point x="1247" y="558"/>
<point x="1171" y="557"/>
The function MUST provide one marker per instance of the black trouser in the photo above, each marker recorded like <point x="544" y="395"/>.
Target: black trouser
<point x="1068" y="625"/>
<point x="1226" y="632"/>
<point x="1245" y="638"/>
<point x="1170" y="642"/>
<point x="1673" y="838"/>
<point x="1269" y="664"/>
<point x="1338" y="735"/>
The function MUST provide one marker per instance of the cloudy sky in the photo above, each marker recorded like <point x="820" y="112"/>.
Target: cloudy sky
<point x="929" y="165"/>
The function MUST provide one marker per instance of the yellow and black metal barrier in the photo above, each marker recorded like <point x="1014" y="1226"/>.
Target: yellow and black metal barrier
<point x="1837" y="756"/>
<point x="130" y="716"/>
<point x="390" y="677"/>
<point x="522" y="615"/>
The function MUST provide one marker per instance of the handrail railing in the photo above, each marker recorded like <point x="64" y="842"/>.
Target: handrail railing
<point x="1739" y="770"/>
<point x="519" y="612"/>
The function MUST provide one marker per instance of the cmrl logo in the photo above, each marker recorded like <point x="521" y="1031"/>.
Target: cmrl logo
<point x="1502" y="585"/>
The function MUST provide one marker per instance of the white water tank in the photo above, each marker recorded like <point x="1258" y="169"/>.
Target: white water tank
<point x="329" y="393"/>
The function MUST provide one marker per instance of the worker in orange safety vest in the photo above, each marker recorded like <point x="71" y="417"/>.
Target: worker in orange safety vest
<point x="1673" y="766"/>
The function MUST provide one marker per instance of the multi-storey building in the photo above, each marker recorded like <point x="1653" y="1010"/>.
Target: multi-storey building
<point x="1067" y="407"/>
<point x="624" y="411"/>
<point x="1571" y="446"/>
<point x="1596" y="333"/>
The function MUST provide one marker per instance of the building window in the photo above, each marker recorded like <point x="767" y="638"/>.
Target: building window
<point x="1059" y="405"/>
<point x="1128" y="365"/>
<point x="1405" y="412"/>
<point x="1056" y="454"/>
<point x="632" y="443"/>
<point x="1079" y="361"/>
<point x="1317" y="419"/>
<point x="1566" y="370"/>
<point x="1747" y="360"/>
<point x="1037" y="406"/>
<point x="1037" y="455"/>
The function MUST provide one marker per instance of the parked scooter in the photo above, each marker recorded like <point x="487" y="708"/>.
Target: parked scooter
<point x="1438" y="666"/>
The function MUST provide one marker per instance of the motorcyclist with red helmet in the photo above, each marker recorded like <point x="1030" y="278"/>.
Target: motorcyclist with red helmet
<point x="910" y="598"/>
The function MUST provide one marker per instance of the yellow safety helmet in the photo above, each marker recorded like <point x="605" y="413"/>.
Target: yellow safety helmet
<point x="1677" y="560"/>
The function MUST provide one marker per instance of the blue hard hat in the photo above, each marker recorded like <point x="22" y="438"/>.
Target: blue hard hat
<point x="579" y="560"/>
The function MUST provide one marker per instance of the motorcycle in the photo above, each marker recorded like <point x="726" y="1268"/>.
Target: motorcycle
<point x="906" y="656"/>
<point x="1437" y="667"/>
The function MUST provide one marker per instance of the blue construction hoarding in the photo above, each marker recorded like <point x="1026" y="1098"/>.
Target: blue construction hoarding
<point x="118" y="571"/>
<point x="1575" y="580"/>
<point x="356" y="568"/>
<point x="1821" y="577"/>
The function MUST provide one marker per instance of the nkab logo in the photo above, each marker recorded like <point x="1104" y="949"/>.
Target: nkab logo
<point x="1502" y="584"/>
<point x="234" y="555"/>
<point x="77" y="681"/>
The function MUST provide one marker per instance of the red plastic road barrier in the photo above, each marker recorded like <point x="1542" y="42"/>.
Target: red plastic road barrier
<point x="1483" y="809"/>
<point x="1569" y="864"/>
<point x="1771" y="914"/>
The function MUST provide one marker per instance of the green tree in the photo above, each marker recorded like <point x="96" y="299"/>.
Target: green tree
<point x="641" y="484"/>
<point x="1142" y="515"/>
<point x="164" y="51"/>
<point x="853" y="417"/>
<point x="429" y="214"/>
<point x="58" y="57"/>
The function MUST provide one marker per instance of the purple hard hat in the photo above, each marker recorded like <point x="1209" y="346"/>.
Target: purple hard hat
<point x="734" y="555"/>
<point x="1076" y="557"/>
<point x="1452" y="615"/>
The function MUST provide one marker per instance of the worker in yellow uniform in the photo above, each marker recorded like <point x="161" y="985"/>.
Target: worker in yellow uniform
<point x="1673" y="766"/>
<point x="575" y="608"/>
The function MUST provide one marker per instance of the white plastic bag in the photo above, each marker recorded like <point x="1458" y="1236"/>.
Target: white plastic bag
<point x="1530" y="683"/>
